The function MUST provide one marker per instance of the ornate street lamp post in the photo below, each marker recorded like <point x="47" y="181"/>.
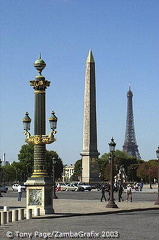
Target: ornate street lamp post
<point x="53" y="176"/>
<point x="157" y="153"/>
<point x="111" y="203"/>
<point x="39" y="185"/>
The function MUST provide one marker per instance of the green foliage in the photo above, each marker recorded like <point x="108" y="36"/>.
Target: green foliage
<point x="148" y="170"/>
<point x="58" y="165"/>
<point x="132" y="172"/>
<point x="121" y="158"/>
<point x="20" y="171"/>
<point x="7" y="173"/>
<point x="77" y="171"/>
<point x="103" y="166"/>
<point x="26" y="158"/>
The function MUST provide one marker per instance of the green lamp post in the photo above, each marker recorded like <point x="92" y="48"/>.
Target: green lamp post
<point x="157" y="153"/>
<point x="39" y="185"/>
<point x="111" y="203"/>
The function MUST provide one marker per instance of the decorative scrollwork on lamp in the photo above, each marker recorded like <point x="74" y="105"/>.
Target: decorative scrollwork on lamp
<point x="40" y="139"/>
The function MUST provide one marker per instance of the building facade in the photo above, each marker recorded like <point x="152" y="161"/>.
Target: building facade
<point x="68" y="171"/>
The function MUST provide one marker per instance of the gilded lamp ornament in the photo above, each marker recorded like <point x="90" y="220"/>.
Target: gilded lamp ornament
<point x="39" y="64"/>
<point x="39" y="84"/>
<point x="40" y="139"/>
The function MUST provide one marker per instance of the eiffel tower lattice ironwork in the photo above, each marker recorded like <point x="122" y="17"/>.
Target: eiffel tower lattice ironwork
<point x="130" y="146"/>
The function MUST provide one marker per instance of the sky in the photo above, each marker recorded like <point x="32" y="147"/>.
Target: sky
<point x="124" y="38"/>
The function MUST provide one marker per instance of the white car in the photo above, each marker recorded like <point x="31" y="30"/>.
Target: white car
<point x="66" y="187"/>
<point x="15" y="187"/>
<point x="71" y="187"/>
<point x="85" y="186"/>
<point x="61" y="187"/>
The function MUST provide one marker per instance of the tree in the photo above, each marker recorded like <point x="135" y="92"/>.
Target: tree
<point x="77" y="171"/>
<point x="132" y="172"/>
<point x="0" y="172"/>
<point x="148" y="170"/>
<point x="26" y="158"/>
<point x="104" y="166"/>
<point x="120" y="158"/>
<point x="58" y="165"/>
<point x="24" y="168"/>
<point x="20" y="174"/>
<point x="8" y="173"/>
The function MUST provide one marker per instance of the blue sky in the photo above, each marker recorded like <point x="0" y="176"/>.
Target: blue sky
<point x="124" y="38"/>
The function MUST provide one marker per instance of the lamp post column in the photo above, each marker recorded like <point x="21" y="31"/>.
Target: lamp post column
<point x="111" y="203"/>
<point x="39" y="85"/>
<point x="157" y="153"/>
<point x="53" y="177"/>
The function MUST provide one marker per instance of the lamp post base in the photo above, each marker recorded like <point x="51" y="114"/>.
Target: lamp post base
<point x="157" y="202"/>
<point x="54" y="193"/>
<point x="111" y="204"/>
<point x="39" y="194"/>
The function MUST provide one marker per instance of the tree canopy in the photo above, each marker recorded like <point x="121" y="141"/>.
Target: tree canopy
<point x="77" y="170"/>
<point x="148" y="170"/>
<point x="21" y="170"/>
<point x="121" y="158"/>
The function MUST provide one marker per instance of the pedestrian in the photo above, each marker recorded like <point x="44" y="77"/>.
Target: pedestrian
<point x="129" y="193"/>
<point x="19" y="192"/>
<point x="140" y="186"/>
<point x="103" y="194"/>
<point x="0" y="194"/>
<point x="107" y="189"/>
<point x="120" y="191"/>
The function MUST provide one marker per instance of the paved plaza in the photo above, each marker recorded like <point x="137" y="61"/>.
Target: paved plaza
<point x="77" y="209"/>
<point x="67" y="207"/>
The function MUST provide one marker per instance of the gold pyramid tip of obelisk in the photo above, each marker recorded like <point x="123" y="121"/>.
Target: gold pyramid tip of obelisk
<point x="90" y="57"/>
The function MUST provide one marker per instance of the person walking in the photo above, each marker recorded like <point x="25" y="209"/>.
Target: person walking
<point x="19" y="192"/>
<point x="107" y="189"/>
<point x="129" y="193"/>
<point x="120" y="191"/>
<point x="103" y="194"/>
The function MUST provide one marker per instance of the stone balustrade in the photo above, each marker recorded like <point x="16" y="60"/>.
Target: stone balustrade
<point x="7" y="215"/>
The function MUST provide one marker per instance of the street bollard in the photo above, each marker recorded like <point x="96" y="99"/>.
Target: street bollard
<point x="21" y="214"/>
<point x="29" y="214"/>
<point x="0" y="218"/>
<point x="5" y="208"/>
<point x="9" y="216"/>
<point x="3" y="218"/>
<point x="14" y="215"/>
<point x="37" y="212"/>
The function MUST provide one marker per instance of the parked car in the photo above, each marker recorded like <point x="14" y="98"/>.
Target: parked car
<point x="3" y="189"/>
<point x="71" y="187"/>
<point x="61" y="187"/>
<point x="15" y="187"/>
<point x="85" y="186"/>
<point x="80" y="188"/>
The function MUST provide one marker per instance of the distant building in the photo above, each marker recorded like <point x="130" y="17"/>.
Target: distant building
<point x="4" y="162"/>
<point x="68" y="171"/>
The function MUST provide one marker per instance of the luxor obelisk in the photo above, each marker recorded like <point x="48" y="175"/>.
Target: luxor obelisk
<point x="90" y="153"/>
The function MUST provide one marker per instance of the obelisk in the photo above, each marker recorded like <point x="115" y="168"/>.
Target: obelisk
<point x="90" y="153"/>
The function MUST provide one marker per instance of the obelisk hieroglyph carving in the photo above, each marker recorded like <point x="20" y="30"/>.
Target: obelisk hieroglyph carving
<point x="90" y="153"/>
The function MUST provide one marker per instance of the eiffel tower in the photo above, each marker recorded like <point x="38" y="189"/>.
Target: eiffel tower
<point x="130" y="146"/>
